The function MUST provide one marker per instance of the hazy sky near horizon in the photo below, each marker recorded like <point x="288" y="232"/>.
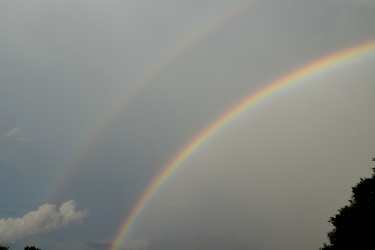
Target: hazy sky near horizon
<point x="269" y="179"/>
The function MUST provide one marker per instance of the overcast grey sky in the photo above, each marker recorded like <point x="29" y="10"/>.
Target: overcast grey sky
<point x="270" y="179"/>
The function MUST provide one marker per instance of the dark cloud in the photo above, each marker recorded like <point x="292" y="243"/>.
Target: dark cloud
<point x="201" y="242"/>
<point x="98" y="246"/>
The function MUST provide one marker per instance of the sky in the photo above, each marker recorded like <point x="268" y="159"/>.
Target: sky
<point x="98" y="97"/>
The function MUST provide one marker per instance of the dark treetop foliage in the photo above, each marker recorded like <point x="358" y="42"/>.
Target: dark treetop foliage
<point x="25" y="248"/>
<point x="31" y="248"/>
<point x="354" y="225"/>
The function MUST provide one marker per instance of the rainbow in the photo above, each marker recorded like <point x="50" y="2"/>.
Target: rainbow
<point x="320" y="66"/>
<point x="203" y="28"/>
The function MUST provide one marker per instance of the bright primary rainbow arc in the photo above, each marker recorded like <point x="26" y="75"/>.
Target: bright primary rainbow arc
<point x="202" y="29"/>
<point x="318" y="67"/>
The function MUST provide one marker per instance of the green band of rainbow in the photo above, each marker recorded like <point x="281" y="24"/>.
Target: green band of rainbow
<point x="320" y="66"/>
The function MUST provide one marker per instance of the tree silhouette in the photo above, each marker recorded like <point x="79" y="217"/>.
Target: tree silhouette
<point x="25" y="248"/>
<point x="354" y="225"/>
<point x="31" y="248"/>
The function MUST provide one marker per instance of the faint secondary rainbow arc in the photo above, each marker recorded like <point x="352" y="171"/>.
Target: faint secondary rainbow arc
<point x="317" y="67"/>
<point x="203" y="29"/>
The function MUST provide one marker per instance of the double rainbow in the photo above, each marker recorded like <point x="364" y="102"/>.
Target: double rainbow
<point x="302" y="74"/>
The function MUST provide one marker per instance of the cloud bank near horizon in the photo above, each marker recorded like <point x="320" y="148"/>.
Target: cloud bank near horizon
<point x="45" y="219"/>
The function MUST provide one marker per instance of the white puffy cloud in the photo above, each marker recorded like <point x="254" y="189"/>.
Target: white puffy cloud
<point x="45" y="219"/>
